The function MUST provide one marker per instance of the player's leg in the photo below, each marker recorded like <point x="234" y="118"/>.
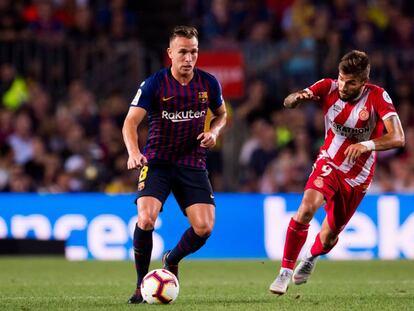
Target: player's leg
<point x="325" y="240"/>
<point x="296" y="235"/>
<point x="148" y="210"/>
<point x="201" y="217"/>
<point x="194" y="194"/>
<point x="339" y="209"/>
<point x="153" y="189"/>
<point x="297" y="231"/>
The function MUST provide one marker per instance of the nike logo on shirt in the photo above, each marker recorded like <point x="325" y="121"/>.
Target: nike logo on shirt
<point x="164" y="99"/>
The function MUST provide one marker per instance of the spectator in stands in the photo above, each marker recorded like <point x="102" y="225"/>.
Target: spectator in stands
<point x="67" y="85"/>
<point x="21" y="140"/>
<point x="6" y="125"/>
<point x="36" y="166"/>
<point x="219" y="29"/>
<point x="261" y="55"/>
<point x="13" y="88"/>
<point x="6" y="164"/>
<point x="265" y="152"/>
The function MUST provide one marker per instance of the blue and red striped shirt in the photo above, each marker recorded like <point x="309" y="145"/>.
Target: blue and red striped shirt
<point x="177" y="114"/>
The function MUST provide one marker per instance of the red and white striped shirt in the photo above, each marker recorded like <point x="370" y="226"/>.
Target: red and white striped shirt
<point x="348" y="123"/>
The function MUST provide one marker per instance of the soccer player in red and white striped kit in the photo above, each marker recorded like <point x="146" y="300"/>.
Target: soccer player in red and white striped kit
<point x="355" y="113"/>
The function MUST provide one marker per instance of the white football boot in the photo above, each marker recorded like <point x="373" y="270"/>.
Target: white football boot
<point x="281" y="283"/>
<point x="304" y="270"/>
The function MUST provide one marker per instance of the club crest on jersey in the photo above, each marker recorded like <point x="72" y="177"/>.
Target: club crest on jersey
<point x="318" y="182"/>
<point x="363" y="115"/>
<point x="141" y="186"/>
<point x="202" y="97"/>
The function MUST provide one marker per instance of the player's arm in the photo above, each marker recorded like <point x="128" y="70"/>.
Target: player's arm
<point x="294" y="99"/>
<point x="393" y="139"/>
<point x="129" y="132"/>
<point x="209" y="138"/>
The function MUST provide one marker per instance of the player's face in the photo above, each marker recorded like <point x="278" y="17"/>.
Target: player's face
<point x="350" y="86"/>
<point x="183" y="53"/>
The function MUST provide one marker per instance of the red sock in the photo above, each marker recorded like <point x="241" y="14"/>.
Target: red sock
<point x="295" y="238"/>
<point x="318" y="249"/>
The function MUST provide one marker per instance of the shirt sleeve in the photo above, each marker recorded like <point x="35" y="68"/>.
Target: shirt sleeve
<point x="320" y="88"/>
<point x="144" y="95"/>
<point x="217" y="97"/>
<point x="383" y="104"/>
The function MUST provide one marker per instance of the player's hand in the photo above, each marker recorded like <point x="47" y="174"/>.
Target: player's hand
<point x="136" y="161"/>
<point x="208" y="139"/>
<point x="353" y="152"/>
<point x="294" y="99"/>
<point x="304" y="95"/>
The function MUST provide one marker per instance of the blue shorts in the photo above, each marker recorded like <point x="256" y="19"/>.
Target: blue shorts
<point x="189" y="185"/>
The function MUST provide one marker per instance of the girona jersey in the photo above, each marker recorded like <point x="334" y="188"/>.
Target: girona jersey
<point x="177" y="115"/>
<point x="348" y="123"/>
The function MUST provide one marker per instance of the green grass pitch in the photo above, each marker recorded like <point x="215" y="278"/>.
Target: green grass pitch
<point x="56" y="284"/>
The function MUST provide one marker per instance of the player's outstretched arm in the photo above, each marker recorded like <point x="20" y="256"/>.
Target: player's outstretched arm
<point x="209" y="138"/>
<point x="294" y="99"/>
<point x="129" y="132"/>
<point x="393" y="139"/>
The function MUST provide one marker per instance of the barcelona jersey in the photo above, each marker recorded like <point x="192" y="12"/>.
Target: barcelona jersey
<point x="177" y="115"/>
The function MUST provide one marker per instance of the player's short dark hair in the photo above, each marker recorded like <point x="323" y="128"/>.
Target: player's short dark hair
<point x="184" y="31"/>
<point x="355" y="63"/>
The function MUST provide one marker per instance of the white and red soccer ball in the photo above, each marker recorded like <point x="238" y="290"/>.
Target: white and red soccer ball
<point x="159" y="286"/>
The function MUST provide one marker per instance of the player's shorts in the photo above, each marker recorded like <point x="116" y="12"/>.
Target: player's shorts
<point x="189" y="185"/>
<point x="342" y="199"/>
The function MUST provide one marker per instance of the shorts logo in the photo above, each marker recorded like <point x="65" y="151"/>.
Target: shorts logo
<point x="363" y="114"/>
<point x="202" y="97"/>
<point x="211" y="196"/>
<point x="141" y="186"/>
<point x="318" y="182"/>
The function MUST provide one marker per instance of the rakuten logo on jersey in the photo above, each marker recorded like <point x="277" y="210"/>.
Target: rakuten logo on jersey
<point x="182" y="116"/>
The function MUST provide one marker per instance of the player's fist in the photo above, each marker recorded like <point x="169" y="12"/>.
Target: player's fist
<point x="305" y="95"/>
<point x="136" y="161"/>
<point x="354" y="151"/>
<point x="294" y="99"/>
<point x="207" y="139"/>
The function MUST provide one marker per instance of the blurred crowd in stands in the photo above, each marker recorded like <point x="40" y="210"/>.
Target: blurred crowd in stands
<point x="69" y="68"/>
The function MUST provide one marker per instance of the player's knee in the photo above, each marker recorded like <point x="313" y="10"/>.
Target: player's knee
<point x="304" y="216"/>
<point x="204" y="229"/>
<point x="146" y="222"/>
<point x="306" y="211"/>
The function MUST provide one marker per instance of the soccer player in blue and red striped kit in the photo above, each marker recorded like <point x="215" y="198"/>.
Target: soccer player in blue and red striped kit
<point x="176" y="100"/>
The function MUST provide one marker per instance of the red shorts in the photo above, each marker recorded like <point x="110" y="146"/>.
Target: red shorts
<point x="341" y="199"/>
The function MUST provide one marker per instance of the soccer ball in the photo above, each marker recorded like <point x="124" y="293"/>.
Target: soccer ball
<point x="159" y="286"/>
